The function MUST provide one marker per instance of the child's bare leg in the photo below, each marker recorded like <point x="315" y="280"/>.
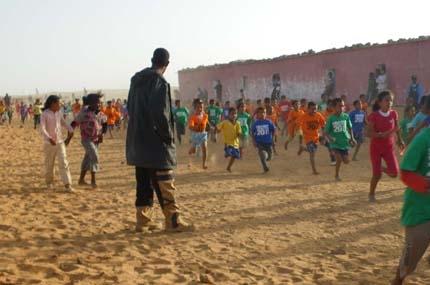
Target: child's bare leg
<point x="312" y="158"/>
<point x="82" y="178"/>
<point x="338" y="163"/>
<point x="230" y="164"/>
<point x="93" y="180"/>
<point x="192" y="150"/>
<point x="357" y="148"/>
<point x="204" y="156"/>
<point x="373" y="183"/>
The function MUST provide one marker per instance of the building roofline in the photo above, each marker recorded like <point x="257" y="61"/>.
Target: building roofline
<point x="309" y="53"/>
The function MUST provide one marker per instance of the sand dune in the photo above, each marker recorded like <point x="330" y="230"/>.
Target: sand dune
<point x="286" y="227"/>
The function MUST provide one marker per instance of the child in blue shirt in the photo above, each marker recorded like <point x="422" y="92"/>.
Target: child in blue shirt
<point x="263" y="132"/>
<point x="358" y="120"/>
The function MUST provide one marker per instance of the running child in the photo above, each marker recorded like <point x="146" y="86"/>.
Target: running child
<point x="326" y="114"/>
<point x="214" y="113"/>
<point x="338" y="131"/>
<point x="284" y="110"/>
<point x="383" y="127"/>
<point x="37" y="112"/>
<point x="231" y="130"/>
<point x="263" y="132"/>
<point x="91" y="137"/>
<point x="311" y="123"/>
<point x="244" y="119"/>
<point x="422" y="119"/>
<point x="112" y="117"/>
<point x="364" y="105"/>
<point x="23" y="111"/>
<point x="199" y="137"/>
<point x="226" y="110"/>
<point x="272" y="116"/>
<point x="358" y="120"/>
<point x="415" y="173"/>
<point x="293" y="122"/>
<point x="54" y="147"/>
<point x="181" y="118"/>
<point x="405" y="123"/>
<point x="303" y="105"/>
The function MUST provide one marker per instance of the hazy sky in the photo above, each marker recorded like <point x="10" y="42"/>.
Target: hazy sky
<point x="67" y="45"/>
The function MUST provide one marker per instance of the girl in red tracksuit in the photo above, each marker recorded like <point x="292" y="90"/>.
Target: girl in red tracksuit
<point x="383" y="128"/>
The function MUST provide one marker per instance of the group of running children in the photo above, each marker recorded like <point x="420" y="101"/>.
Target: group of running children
<point x="327" y="124"/>
<point x="339" y="127"/>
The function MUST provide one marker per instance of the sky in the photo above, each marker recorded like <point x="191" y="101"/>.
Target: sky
<point x="59" y="45"/>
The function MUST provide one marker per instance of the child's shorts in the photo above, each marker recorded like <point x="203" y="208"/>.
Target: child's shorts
<point x="197" y="139"/>
<point x="180" y="129"/>
<point x="230" y="151"/>
<point x="359" y="137"/>
<point x="341" y="152"/>
<point x="311" y="147"/>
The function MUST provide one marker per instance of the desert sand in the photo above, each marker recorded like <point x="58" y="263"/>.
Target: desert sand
<point x="286" y="227"/>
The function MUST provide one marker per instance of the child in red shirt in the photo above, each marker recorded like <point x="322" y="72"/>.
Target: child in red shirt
<point x="383" y="126"/>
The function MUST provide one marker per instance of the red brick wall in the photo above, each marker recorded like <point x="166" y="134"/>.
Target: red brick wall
<point x="304" y="76"/>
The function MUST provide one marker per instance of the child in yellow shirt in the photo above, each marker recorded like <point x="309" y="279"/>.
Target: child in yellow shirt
<point x="231" y="130"/>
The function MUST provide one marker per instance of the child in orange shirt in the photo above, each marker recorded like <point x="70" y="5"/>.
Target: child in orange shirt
<point x="311" y="123"/>
<point x="112" y="117"/>
<point x="199" y="137"/>
<point x="293" y="122"/>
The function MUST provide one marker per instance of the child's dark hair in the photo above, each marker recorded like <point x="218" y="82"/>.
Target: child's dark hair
<point x="259" y="109"/>
<point x="177" y="101"/>
<point x="311" y="104"/>
<point x="356" y="102"/>
<point x="211" y="101"/>
<point x="408" y="109"/>
<point x="259" y="101"/>
<point x="267" y="100"/>
<point x="294" y="102"/>
<point x="49" y="101"/>
<point x="337" y="101"/>
<point x="362" y="96"/>
<point x="303" y="100"/>
<point x="231" y="110"/>
<point x="381" y="96"/>
<point x="240" y="105"/>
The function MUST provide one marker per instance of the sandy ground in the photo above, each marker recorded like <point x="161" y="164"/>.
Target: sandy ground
<point x="286" y="227"/>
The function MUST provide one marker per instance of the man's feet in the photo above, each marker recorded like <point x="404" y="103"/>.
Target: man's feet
<point x="83" y="183"/>
<point x="337" y="178"/>
<point x="228" y="169"/>
<point x="372" y="198"/>
<point x="354" y="159"/>
<point x="205" y="167"/>
<point x="265" y="170"/>
<point x="94" y="186"/>
<point x="286" y="146"/>
<point x="315" y="173"/>
<point x="301" y="150"/>
<point x="333" y="163"/>
<point x="177" y="224"/>
<point x="145" y="221"/>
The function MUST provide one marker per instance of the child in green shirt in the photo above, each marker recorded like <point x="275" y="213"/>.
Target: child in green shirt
<point x="338" y="131"/>
<point x="181" y="118"/>
<point x="244" y="120"/>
